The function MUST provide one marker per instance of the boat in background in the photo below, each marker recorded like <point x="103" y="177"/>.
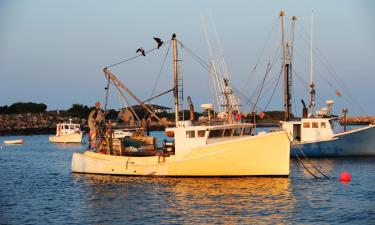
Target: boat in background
<point x="67" y="133"/>
<point x="14" y="142"/>
<point x="313" y="135"/>
<point x="231" y="148"/>
<point x="123" y="133"/>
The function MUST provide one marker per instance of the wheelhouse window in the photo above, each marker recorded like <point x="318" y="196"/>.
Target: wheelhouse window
<point x="201" y="133"/>
<point x="323" y="125"/>
<point x="215" y="133"/>
<point x="190" y="134"/>
<point x="314" y="125"/>
<point x="66" y="127"/>
<point x="306" y="125"/>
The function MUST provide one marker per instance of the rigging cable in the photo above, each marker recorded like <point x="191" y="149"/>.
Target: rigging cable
<point x="274" y="90"/>
<point x="205" y="66"/>
<point x="333" y="73"/>
<point x="275" y="24"/>
<point x="309" y="161"/>
<point x="134" y="57"/>
<point x="127" y="102"/>
<point x="160" y="71"/>
<point x="264" y="79"/>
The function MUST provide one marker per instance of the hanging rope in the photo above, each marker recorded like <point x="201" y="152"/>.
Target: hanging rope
<point x="273" y="62"/>
<point x="274" y="90"/>
<point x="126" y="60"/>
<point x="299" y="149"/>
<point x="160" y="71"/>
<point x="238" y="93"/>
<point x="264" y="79"/>
<point x="332" y="72"/>
<point x="251" y="74"/>
<point x="309" y="161"/>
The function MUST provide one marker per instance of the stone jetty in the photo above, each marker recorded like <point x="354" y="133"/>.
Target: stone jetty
<point x="358" y="120"/>
<point x="31" y="124"/>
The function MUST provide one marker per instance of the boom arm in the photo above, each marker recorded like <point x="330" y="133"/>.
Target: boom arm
<point x="118" y="83"/>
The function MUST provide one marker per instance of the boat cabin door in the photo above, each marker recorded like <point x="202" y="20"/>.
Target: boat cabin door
<point x="297" y="132"/>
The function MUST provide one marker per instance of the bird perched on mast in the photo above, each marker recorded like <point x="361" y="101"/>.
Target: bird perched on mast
<point x="141" y="50"/>
<point x="159" y="41"/>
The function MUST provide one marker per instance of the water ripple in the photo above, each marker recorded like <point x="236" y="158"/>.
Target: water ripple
<point x="37" y="187"/>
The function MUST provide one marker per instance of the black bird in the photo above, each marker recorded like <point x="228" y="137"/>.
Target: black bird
<point x="141" y="50"/>
<point x="159" y="41"/>
<point x="173" y="36"/>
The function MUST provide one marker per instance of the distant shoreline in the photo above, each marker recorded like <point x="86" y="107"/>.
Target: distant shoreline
<point x="52" y="130"/>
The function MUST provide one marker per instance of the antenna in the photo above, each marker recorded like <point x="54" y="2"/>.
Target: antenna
<point x="175" y="76"/>
<point x="312" y="85"/>
<point x="234" y="102"/>
<point x="213" y="70"/>
<point x="286" y="68"/>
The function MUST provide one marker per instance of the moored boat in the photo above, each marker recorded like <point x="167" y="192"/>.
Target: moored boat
<point x="313" y="135"/>
<point x="14" y="142"/>
<point x="231" y="148"/>
<point x="67" y="133"/>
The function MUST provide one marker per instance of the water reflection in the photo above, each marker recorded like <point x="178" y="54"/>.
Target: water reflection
<point x="69" y="146"/>
<point x="326" y="166"/>
<point x="189" y="200"/>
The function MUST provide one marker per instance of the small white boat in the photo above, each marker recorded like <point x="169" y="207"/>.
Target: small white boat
<point x="14" y="142"/>
<point x="67" y="133"/>
<point x="120" y="133"/>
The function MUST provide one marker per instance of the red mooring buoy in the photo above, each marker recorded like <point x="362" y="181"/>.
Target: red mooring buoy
<point x="345" y="177"/>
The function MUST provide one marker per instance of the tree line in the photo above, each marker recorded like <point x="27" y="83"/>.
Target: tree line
<point x="23" y="107"/>
<point x="83" y="111"/>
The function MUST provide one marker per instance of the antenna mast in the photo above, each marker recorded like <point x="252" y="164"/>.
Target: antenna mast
<point x="312" y="85"/>
<point x="286" y="65"/>
<point x="175" y="76"/>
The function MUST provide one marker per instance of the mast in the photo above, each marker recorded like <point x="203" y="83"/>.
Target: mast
<point x="286" y="65"/>
<point x="312" y="85"/>
<point x="175" y="77"/>
<point x="228" y="104"/>
<point x="213" y="71"/>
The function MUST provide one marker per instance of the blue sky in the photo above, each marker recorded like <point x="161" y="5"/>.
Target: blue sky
<point x="54" y="51"/>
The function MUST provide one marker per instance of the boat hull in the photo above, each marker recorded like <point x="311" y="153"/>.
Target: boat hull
<point x="262" y="155"/>
<point x="14" y="142"/>
<point x="68" y="138"/>
<point x="358" y="142"/>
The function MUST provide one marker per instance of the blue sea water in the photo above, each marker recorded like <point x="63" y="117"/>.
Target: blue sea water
<point x="37" y="187"/>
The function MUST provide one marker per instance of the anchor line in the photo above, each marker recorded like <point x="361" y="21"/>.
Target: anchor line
<point x="316" y="168"/>
<point x="311" y="164"/>
<point x="301" y="162"/>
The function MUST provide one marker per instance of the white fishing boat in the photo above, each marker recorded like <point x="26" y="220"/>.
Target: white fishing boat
<point x="67" y="133"/>
<point x="313" y="135"/>
<point x="231" y="148"/>
<point x="14" y="142"/>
